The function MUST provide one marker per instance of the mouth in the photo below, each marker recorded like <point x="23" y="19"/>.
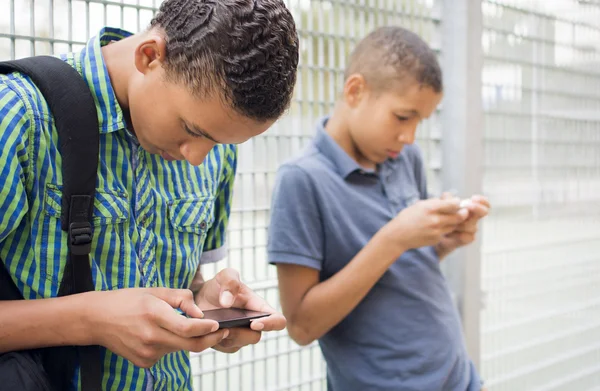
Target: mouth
<point x="393" y="154"/>
<point x="166" y="156"/>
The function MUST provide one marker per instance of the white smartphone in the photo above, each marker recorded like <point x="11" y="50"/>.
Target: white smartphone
<point x="466" y="202"/>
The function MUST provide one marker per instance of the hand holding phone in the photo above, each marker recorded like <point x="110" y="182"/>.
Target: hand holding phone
<point x="233" y="317"/>
<point x="465" y="203"/>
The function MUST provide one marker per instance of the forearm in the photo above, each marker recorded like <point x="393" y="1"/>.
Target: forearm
<point x="443" y="250"/>
<point x="197" y="283"/>
<point x="329" y="302"/>
<point x="26" y="324"/>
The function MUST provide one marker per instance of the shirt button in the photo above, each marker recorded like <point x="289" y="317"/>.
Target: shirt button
<point x="203" y="224"/>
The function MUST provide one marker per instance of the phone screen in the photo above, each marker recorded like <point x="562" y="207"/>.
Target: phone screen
<point x="233" y="317"/>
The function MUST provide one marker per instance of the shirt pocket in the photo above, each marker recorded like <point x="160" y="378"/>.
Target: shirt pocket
<point x="190" y="220"/>
<point x="192" y="216"/>
<point x="109" y="218"/>
<point x="410" y="197"/>
<point x="404" y="197"/>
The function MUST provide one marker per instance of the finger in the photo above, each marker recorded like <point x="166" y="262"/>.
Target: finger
<point x="273" y="322"/>
<point x="455" y="219"/>
<point x="466" y="237"/>
<point x="181" y="325"/>
<point x="240" y="337"/>
<point x="249" y="300"/>
<point x="478" y="210"/>
<point x="481" y="200"/>
<point x="447" y="206"/>
<point x="222" y="349"/>
<point x="200" y="344"/>
<point x="179" y="298"/>
<point x="230" y="285"/>
<point x="447" y="195"/>
<point x="161" y="341"/>
<point x="462" y="237"/>
<point x="467" y="226"/>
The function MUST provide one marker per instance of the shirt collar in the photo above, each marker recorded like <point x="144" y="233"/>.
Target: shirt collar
<point x="91" y="65"/>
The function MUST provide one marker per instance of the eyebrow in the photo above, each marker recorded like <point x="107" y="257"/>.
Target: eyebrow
<point x="198" y="130"/>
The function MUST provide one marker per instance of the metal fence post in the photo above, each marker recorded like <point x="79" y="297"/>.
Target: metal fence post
<point x="462" y="147"/>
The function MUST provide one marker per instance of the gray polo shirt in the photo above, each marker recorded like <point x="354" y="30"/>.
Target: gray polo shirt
<point x="406" y="333"/>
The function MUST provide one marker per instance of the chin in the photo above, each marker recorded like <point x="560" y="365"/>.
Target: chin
<point x="379" y="159"/>
<point x="147" y="146"/>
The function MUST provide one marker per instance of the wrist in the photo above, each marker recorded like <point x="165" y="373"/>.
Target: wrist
<point x="197" y="290"/>
<point x="197" y="284"/>
<point x="87" y="328"/>
<point x="391" y="242"/>
<point x="442" y="249"/>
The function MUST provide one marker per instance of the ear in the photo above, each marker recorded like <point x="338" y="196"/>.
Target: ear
<point x="355" y="89"/>
<point x="150" y="53"/>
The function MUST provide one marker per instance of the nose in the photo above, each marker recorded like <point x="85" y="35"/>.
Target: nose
<point x="407" y="137"/>
<point x="195" y="151"/>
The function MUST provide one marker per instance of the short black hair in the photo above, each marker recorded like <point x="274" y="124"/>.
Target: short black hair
<point x="394" y="53"/>
<point x="245" y="50"/>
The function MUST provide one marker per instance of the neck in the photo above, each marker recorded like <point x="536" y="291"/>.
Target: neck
<point x="118" y="57"/>
<point x="339" y="130"/>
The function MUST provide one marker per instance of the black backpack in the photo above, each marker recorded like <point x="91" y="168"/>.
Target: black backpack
<point x="75" y="116"/>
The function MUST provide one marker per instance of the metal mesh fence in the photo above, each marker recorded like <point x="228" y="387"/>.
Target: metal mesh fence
<point x="541" y="95"/>
<point x="541" y="324"/>
<point x="328" y="31"/>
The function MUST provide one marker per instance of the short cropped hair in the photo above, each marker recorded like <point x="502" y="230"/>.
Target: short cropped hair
<point x="395" y="54"/>
<point x="244" y="50"/>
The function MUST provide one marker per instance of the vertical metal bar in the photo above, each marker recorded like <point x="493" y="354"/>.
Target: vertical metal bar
<point x="214" y="373"/>
<point x="13" y="43"/>
<point x="51" y="24"/>
<point x="321" y="108"/>
<point x="310" y="98"/>
<point x="227" y="372"/>
<point x="252" y="371"/>
<point x="32" y="27"/>
<point x="87" y="20"/>
<point x="105" y="15"/>
<point x="333" y="72"/>
<point x="70" y="22"/>
<point x="536" y="59"/>
<point x="265" y="369"/>
<point x="462" y="122"/>
<point x="342" y="43"/>
<point x="139" y="24"/>
<point x="122" y="21"/>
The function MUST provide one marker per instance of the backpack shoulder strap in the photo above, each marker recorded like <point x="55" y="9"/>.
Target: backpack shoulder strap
<point x="76" y="119"/>
<point x="75" y="116"/>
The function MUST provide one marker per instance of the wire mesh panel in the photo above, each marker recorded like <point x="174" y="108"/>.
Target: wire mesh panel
<point x="328" y="31"/>
<point x="541" y="273"/>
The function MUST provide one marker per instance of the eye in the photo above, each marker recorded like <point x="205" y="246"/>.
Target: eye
<point x="190" y="132"/>
<point x="402" y="119"/>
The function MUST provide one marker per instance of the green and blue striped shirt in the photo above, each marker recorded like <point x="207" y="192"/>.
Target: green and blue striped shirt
<point x="155" y="221"/>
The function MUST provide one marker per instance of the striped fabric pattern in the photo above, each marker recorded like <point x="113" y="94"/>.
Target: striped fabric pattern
<point x="154" y="220"/>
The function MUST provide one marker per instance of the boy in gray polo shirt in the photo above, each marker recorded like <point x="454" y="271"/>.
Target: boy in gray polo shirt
<point x="357" y="242"/>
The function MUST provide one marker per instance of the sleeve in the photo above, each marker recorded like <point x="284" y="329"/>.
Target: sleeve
<point x="215" y="247"/>
<point x="14" y="160"/>
<point x="296" y="232"/>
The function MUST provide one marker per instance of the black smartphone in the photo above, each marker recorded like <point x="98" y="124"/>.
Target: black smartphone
<point x="233" y="317"/>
